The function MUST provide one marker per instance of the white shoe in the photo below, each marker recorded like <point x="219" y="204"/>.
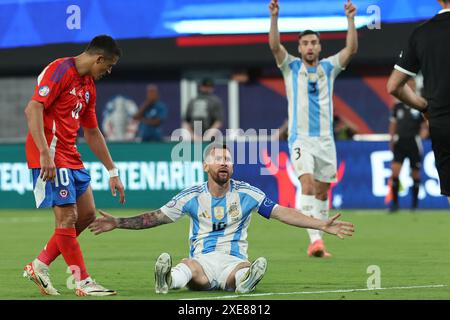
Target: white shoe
<point x="254" y="274"/>
<point x="91" y="288"/>
<point x="163" y="277"/>
<point x="37" y="272"/>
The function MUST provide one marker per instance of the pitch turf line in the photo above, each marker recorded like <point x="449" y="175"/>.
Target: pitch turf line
<point x="318" y="292"/>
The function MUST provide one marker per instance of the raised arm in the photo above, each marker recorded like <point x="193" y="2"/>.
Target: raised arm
<point x="351" y="45"/>
<point x="278" y="51"/>
<point x="143" y="221"/>
<point x="296" y="218"/>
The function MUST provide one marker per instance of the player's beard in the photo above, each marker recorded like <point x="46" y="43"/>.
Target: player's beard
<point x="220" y="177"/>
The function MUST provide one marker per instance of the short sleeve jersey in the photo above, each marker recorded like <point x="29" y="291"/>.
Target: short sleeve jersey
<point x="69" y="103"/>
<point x="219" y="224"/>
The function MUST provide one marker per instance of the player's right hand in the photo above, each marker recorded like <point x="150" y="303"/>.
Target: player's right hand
<point x="103" y="224"/>
<point x="48" y="168"/>
<point x="274" y="8"/>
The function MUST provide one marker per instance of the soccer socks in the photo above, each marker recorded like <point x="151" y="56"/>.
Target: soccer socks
<point x="395" y="188"/>
<point x="307" y="208"/>
<point x="239" y="274"/>
<point x="50" y="252"/>
<point x="181" y="275"/>
<point x="321" y="206"/>
<point x="415" y="199"/>
<point x="66" y="239"/>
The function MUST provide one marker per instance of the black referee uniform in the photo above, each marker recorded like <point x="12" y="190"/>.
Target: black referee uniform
<point x="407" y="141"/>
<point x="429" y="51"/>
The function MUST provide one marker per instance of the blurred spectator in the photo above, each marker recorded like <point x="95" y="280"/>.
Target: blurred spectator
<point x="342" y="129"/>
<point x="204" y="112"/>
<point x="151" y="116"/>
<point x="118" y="123"/>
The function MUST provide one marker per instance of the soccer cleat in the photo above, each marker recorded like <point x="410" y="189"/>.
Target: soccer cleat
<point x="38" y="272"/>
<point x="163" y="276"/>
<point x="316" y="249"/>
<point x="251" y="278"/>
<point x="393" y="208"/>
<point x="91" y="288"/>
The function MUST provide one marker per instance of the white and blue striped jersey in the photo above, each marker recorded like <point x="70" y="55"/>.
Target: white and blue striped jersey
<point x="309" y="91"/>
<point x="219" y="224"/>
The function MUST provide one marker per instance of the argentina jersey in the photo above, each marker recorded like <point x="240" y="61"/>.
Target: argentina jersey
<point x="219" y="224"/>
<point x="309" y="91"/>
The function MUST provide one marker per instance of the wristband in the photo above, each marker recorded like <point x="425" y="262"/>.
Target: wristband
<point x="113" y="173"/>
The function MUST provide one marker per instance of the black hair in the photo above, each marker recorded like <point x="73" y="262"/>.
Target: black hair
<point x="104" y="45"/>
<point x="308" y="32"/>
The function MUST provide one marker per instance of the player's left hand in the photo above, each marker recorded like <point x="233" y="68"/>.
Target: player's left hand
<point x="116" y="184"/>
<point x="350" y="9"/>
<point x="104" y="224"/>
<point x="338" y="228"/>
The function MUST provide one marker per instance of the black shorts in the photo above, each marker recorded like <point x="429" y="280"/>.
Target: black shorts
<point x="410" y="148"/>
<point x="440" y="139"/>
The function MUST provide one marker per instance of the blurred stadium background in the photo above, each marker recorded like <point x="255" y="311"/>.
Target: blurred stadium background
<point x="176" y="43"/>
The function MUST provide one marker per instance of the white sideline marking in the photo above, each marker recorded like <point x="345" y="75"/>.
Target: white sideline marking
<point x="317" y="292"/>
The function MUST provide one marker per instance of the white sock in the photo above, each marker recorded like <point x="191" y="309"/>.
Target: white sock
<point x="307" y="208"/>
<point x="321" y="206"/>
<point x="181" y="275"/>
<point x="239" y="274"/>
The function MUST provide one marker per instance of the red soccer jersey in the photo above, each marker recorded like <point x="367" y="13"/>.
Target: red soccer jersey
<point x="69" y="102"/>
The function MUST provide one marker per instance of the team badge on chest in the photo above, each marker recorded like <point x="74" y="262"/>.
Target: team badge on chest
<point x="219" y="213"/>
<point x="233" y="211"/>
<point x="87" y="96"/>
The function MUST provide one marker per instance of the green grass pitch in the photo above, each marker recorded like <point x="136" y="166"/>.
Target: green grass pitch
<point x="411" y="250"/>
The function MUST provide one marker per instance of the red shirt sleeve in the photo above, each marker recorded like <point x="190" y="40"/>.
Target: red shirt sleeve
<point x="89" y="118"/>
<point x="50" y="83"/>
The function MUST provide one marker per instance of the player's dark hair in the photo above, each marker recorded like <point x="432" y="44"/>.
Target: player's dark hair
<point x="308" y="32"/>
<point x="215" y="145"/>
<point x="104" y="45"/>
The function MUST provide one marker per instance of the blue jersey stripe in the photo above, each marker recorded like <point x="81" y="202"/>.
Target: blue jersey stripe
<point x="210" y="242"/>
<point x="254" y="190"/>
<point x="188" y="191"/>
<point x="313" y="105"/>
<point x="328" y="67"/>
<point x="247" y="205"/>
<point x="295" y="68"/>
<point x="192" y="208"/>
<point x="61" y="70"/>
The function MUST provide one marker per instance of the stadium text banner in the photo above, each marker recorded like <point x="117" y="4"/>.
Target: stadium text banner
<point x="151" y="176"/>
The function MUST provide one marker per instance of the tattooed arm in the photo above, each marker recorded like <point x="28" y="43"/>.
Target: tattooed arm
<point x="143" y="221"/>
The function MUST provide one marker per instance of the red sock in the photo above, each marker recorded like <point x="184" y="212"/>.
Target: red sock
<point x="68" y="245"/>
<point x="50" y="252"/>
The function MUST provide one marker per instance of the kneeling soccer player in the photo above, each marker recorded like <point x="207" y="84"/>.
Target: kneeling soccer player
<point x="220" y="212"/>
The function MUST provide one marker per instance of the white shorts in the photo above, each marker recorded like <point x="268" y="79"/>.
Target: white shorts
<point x="316" y="156"/>
<point x="217" y="267"/>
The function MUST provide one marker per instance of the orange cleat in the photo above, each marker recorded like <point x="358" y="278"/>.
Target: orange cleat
<point x="317" y="249"/>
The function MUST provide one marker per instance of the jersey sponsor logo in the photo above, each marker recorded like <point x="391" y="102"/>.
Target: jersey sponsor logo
<point x="401" y="54"/>
<point x="87" y="96"/>
<point x="219" y="213"/>
<point x="44" y="91"/>
<point x="63" y="193"/>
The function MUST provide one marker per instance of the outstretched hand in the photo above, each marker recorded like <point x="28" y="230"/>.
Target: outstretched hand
<point x="274" y="8"/>
<point x="338" y="228"/>
<point x="104" y="224"/>
<point x="350" y="9"/>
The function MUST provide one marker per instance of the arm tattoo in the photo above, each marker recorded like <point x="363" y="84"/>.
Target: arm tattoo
<point x="144" y="221"/>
